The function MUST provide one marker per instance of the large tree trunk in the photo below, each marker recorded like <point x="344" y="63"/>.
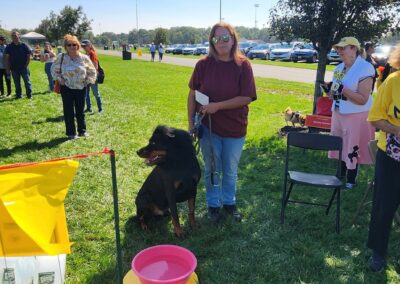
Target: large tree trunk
<point x="322" y="53"/>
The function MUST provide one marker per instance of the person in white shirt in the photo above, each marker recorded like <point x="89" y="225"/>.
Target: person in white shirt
<point x="351" y="91"/>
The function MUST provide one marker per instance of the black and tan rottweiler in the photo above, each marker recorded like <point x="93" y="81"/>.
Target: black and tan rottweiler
<point x="174" y="178"/>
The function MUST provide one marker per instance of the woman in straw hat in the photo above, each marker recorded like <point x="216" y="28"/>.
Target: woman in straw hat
<point x="351" y="91"/>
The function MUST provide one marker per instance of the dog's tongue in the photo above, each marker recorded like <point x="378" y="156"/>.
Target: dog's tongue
<point x="151" y="160"/>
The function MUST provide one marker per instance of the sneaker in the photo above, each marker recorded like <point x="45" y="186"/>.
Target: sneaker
<point x="231" y="210"/>
<point x="72" y="137"/>
<point x="100" y="110"/>
<point x="213" y="214"/>
<point x="376" y="263"/>
<point x="349" y="185"/>
<point x="88" y="110"/>
<point x="85" y="134"/>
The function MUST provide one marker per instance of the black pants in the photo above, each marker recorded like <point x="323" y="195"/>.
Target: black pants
<point x="8" y="82"/>
<point x="385" y="202"/>
<point x="73" y="105"/>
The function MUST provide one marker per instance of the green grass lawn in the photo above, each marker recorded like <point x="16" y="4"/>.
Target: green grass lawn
<point x="140" y="95"/>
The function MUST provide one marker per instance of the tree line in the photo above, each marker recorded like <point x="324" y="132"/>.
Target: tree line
<point x="322" y="22"/>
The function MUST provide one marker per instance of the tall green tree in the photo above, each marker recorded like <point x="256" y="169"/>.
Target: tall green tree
<point x="160" y="36"/>
<point x="324" y="22"/>
<point x="70" y="21"/>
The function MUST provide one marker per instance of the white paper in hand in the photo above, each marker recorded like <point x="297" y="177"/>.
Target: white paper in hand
<point x="202" y="98"/>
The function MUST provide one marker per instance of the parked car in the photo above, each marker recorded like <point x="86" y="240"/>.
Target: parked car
<point x="201" y="50"/>
<point x="178" y="49"/>
<point x="245" y="46"/>
<point x="305" y="52"/>
<point x="189" y="50"/>
<point x="169" y="49"/>
<point x="333" y="56"/>
<point x="284" y="51"/>
<point x="261" y="51"/>
<point x="381" y="54"/>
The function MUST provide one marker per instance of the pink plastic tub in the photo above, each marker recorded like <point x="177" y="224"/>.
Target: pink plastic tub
<point x="166" y="264"/>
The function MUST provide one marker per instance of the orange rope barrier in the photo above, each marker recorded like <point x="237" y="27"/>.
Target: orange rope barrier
<point x="105" y="151"/>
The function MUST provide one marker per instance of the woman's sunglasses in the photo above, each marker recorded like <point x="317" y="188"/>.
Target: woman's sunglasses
<point x="223" y="38"/>
<point x="72" y="44"/>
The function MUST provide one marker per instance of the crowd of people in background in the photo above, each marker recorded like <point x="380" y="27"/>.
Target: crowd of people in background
<point x="75" y="72"/>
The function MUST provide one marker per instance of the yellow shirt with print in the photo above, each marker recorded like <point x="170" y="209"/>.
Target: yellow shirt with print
<point x="387" y="105"/>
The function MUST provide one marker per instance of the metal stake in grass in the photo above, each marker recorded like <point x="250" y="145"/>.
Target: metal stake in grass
<point x="116" y="216"/>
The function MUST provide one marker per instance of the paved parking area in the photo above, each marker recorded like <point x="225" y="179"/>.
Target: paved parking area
<point x="260" y="70"/>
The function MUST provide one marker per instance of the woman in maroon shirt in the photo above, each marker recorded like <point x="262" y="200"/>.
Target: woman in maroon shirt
<point x="226" y="77"/>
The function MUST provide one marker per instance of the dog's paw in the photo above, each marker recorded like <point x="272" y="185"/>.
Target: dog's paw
<point x="144" y="226"/>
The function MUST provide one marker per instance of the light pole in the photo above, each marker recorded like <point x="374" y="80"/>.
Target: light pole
<point x="220" y="10"/>
<point x="255" y="14"/>
<point x="137" y="25"/>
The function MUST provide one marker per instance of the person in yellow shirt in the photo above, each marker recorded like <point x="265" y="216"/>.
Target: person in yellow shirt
<point x="385" y="115"/>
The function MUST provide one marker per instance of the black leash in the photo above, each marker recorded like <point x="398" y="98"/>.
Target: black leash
<point x="213" y="166"/>
<point x="197" y="135"/>
<point x="195" y="132"/>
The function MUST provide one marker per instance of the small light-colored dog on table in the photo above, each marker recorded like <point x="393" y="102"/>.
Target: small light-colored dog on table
<point x="294" y="117"/>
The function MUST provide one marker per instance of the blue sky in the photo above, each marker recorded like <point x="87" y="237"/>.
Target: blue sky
<point x="120" y="15"/>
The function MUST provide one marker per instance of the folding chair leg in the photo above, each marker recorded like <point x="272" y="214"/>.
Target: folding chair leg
<point x="338" y="211"/>
<point x="285" y="198"/>
<point x="362" y="202"/>
<point x="330" y="201"/>
<point x="288" y="194"/>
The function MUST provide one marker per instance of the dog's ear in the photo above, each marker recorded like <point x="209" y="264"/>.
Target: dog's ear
<point x="169" y="132"/>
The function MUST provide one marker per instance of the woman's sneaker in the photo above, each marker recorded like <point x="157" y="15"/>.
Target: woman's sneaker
<point x="376" y="263"/>
<point x="232" y="211"/>
<point x="349" y="185"/>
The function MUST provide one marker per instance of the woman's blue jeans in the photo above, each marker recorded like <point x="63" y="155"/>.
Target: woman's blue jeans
<point x="227" y="152"/>
<point x="96" y="93"/>
<point x="47" y="69"/>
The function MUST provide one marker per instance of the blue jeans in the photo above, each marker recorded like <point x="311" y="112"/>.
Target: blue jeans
<point x="24" y="73"/>
<point x="227" y="152"/>
<point x="47" y="69"/>
<point x="96" y="93"/>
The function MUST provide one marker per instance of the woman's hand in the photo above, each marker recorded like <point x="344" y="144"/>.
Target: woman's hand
<point x="210" y="108"/>
<point x="62" y="81"/>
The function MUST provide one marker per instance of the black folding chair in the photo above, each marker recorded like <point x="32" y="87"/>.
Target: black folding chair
<point x="313" y="141"/>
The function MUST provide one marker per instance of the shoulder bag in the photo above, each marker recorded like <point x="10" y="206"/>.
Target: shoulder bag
<point x="100" y="74"/>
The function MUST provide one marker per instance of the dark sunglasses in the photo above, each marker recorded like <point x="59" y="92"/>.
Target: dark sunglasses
<point x="223" y="38"/>
<point x="72" y="44"/>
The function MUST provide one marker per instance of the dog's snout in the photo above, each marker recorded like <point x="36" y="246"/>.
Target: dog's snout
<point x="142" y="152"/>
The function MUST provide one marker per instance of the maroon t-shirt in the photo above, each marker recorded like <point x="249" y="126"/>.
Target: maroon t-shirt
<point x="222" y="81"/>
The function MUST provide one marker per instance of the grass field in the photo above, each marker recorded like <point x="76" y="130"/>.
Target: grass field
<point x="138" y="96"/>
